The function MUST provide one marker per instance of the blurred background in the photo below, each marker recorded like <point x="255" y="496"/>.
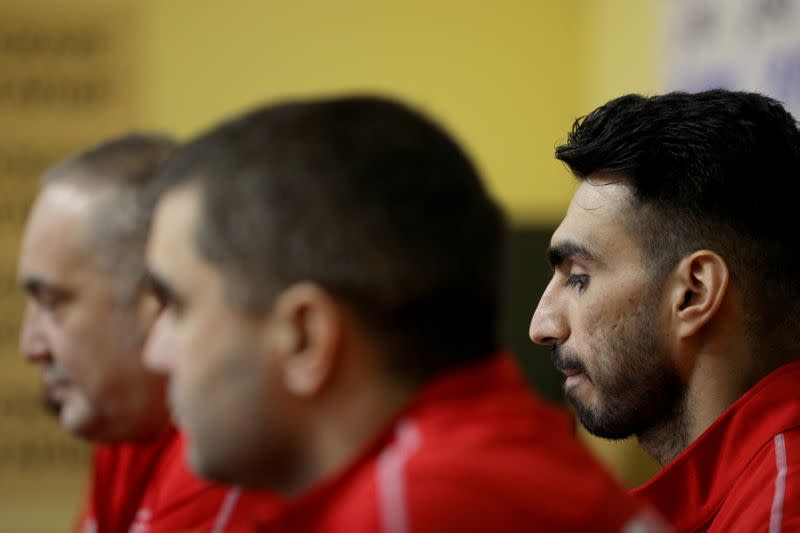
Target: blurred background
<point x="507" y="77"/>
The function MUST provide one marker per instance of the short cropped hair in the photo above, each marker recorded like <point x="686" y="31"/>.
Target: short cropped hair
<point x="715" y="170"/>
<point x="365" y="197"/>
<point x="116" y="230"/>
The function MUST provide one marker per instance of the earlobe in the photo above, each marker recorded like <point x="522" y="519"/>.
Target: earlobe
<point x="701" y="285"/>
<point x="306" y="331"/>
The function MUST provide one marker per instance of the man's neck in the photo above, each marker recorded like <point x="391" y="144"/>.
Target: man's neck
<point x="669" y="437"/>
<point x="355" y="418"/>
<point x="715" y="384"/>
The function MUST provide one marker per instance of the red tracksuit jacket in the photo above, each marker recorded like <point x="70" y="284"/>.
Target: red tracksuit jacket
<point x="743" y="473"/>
<point x="147" y="488"/>
<point x="475" y="451"/>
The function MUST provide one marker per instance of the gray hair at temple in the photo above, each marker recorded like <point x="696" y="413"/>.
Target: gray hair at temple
<point x="121" y="170"/>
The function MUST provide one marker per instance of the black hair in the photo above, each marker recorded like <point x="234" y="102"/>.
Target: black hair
<point x="713" y="170"/>
<point x="370" y="200"/>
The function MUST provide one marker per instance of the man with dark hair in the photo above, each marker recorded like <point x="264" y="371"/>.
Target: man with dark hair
<point x="674" y="307"/>
<point x="331" y="274"/>
<point x="85" y="324"/>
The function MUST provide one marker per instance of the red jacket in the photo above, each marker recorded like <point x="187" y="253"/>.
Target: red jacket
<point x="743" y="473"/>
<point x="147" y="488"/>
<point x="475" y="451"/>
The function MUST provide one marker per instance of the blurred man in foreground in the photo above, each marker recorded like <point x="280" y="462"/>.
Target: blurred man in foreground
<point x="674" y="308"/>
<point x="331" y="273"/>
<point x="85" y="323"/>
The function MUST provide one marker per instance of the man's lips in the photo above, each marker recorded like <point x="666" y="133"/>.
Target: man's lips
<point x="569" y="372"/>
<point x="55" y="388"/>
<point x="569" y="364"/>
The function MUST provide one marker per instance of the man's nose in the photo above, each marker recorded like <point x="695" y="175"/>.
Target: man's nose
<point x="549" y="324"/>
<point x="33" y="342"/>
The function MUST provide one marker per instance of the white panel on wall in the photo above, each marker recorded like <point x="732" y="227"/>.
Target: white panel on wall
<point x="736" y="44"/>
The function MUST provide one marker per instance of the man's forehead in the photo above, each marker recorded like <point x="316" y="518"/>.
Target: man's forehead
<point x="596" y="215"/>
<point x="173" y="259"/>
<point x="51" y="242"/>
<point x="69" y="195"/>
<point x="59" y="207"/>
<point x="602" y="192"/>
<point x="170" y="243"/>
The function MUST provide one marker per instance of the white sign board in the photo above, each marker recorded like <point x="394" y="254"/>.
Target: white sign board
<point x="751" y="45"/>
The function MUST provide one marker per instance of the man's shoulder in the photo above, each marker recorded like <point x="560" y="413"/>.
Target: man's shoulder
<point x="506" y="477"/>
<point x="476" y="451"/>
<point x="176" y="496"/>
<point x="468" y="479"/>
<point x="181" y="500"/>
<point x="768" y="489"/>
<point x="505" y="437"/>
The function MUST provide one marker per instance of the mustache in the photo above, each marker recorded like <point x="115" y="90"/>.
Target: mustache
<point x="52" y="375"/>
<point x="564" y="359"/>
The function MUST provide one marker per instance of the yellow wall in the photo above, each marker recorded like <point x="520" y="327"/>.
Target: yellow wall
<point x="621" y="51"/>
<point x="508" y="77"/>
<point x="500" y="74"/>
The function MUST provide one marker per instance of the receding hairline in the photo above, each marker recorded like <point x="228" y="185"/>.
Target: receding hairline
<point x="113" y="159"/>
<point x="116" y="177"/>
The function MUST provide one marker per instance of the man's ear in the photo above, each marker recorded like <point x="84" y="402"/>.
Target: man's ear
<point x="306" y="330"/>
<point x="698" y="286"/>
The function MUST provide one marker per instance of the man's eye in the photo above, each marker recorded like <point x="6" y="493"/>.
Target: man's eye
<point x="159" y="299"/>
<point x="172" y="307"/>
<point x="50" y="300"/>
<point x="579" y="281"/>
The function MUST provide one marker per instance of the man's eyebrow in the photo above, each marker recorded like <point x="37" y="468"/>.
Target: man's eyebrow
<point x="160" y="288"/>
<point x="560" y="252"/>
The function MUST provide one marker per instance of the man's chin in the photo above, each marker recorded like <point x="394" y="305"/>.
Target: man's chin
<point x="597" y="420"/>
<point x="203" y="463"/>
<point x="598" y="423"/>
<point x="81" y="422"/>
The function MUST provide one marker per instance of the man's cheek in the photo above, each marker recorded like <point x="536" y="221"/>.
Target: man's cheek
<point x="160" y="348"/>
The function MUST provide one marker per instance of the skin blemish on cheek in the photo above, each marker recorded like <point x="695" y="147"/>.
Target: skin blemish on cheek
<point x="592" y="318"/>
